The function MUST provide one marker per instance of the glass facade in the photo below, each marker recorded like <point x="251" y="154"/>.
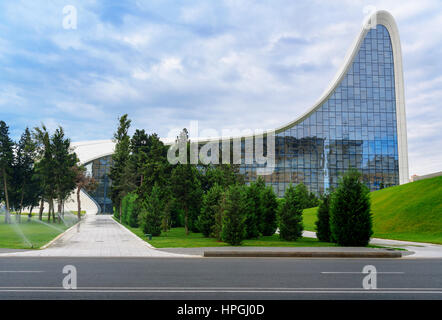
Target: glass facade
<point x="99" y="169"/>
<point x="354" y="128"/>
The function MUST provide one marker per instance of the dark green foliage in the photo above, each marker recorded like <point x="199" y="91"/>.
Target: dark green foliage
<point x="186" y="188"/>
<point x="254" y="208"/>
<point x="270" y="208"/>
<point x="290" y="214"/>
<point x="313" y="200"/>
<point x="303" y="195"/>
<point x="6" y="162"/>
<point x="130" y="209"/>
<point x="234" y="218"/>
<point x="120" y="171"/>
<point x="209" y="209"/>
<point x="350" y="216"/>
<point x="323" y="221"/>
<point x="151" y="214"/>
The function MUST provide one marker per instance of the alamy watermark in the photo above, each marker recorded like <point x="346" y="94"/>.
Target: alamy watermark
<point x="70" y="18"/>
<point x="70" y="280"/>
<point x="226" y="147"/>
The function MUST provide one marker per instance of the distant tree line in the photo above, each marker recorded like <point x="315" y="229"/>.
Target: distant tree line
<point x="40" y="167"/>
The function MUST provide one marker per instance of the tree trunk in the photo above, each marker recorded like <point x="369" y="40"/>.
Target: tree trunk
<point x="40" y="212"/>
<point x="53" y="211"/>
<point x="186" y="219"/>
<point x="49" y="210"/>
<point x="30" y="213"/>
<point x="79" y="204"/>
<point x="7" y="215"/>
<point x="59" y="204"/>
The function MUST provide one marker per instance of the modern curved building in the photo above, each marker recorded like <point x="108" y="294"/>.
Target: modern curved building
<point x="359" y="122"/>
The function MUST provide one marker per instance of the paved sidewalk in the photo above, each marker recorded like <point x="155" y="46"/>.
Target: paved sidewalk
<point x="417" y="249"/>
<point x="96" y="236"/>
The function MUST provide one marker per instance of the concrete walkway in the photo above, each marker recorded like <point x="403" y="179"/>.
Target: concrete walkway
<point x="417" y="249"/>
<point x="96" y="236"/>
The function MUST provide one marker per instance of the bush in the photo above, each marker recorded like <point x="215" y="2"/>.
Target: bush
<point x="323" y="221"/>
<point x="209" y="209"/>
<point x="234" y="228"/>
<point x="131" y="209"/>
<point x="350" y="216"/>
<point x="290" y="215"/>
<point x="269" y="206"/>
<point x="152" y="213"/>
<point x="254" y="209"/>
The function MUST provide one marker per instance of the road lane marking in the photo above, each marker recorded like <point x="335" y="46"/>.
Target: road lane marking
<point x="20" y="271"/>
<point x="358" y="272"/>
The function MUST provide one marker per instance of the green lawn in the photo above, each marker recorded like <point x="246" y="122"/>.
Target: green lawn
<point x="176" y="238"/>
<point x="411" y="211"/>
<point x="38" y="234"/>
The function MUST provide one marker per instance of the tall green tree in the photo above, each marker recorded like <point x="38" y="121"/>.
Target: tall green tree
<point x="43" y="170"/>
<point x="6" y="164"/>
<point x="234" y="216"/>
<point x="269" y="202"/>
<point x="152" y="213"/>
<point x="350" y="212"/>
<point x="139" y="154"/>
<point x="120" y="173"/>
<point x="323" y="221"/>
<point x="186" y="188"/>
<point x="290" y="214"/>
<point x="254" y="208"/>
<point x="209" y="209"/>
<point x="63" y="170"/>
<point x="25" y="154"/>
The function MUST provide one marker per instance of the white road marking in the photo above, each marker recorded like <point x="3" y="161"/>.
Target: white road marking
<point x="20" y="271"/>
<point x="358" y="272"/>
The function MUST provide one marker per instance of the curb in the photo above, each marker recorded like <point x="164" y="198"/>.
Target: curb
<point x="59" y="236"/>
<point x="299" y="254"/>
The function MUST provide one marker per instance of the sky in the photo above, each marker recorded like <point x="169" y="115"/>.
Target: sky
<point x="228" y="64"/>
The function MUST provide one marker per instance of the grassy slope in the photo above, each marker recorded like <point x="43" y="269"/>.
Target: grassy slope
<point x="38" y="234"/>
<point x="176" y="238"/>
<point x="412" y="211"/>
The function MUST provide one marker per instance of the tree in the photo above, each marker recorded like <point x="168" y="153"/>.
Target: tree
<point x="234" y="217"/>
<point x="6" y="162"/>
<point x="254" y="208"/>
<point x="186" y="188"/>
<point x="43" y="170"/>
<point x="25" y="188"/>
<point x="303" y="195"/>
<point x="323" y="221"/>
<point x="139" y="148"/>
<point x="120" y="173"/>
<point x="151" y="213"/>
<point x="350" y="216"/>
<point x="83" y="181"/>
<point x="290" y="214"/>
<point x="63" y="170"/>
<point x="209" y="209"/>
<point x="269" y="201"/>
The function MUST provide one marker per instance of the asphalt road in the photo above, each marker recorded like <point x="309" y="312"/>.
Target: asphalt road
<point x="219" y="278"/>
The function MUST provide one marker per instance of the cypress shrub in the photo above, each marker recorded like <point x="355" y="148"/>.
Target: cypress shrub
<point x="151" y="213"/>
<point x="290" y="215"/>
<point x="323" y="221"/>
<point x="270" y="207"/>
<point x="234" y="227"/>
<point x="350" y="216"/>
<point x="209" y="209"/>
<point x="253" y="210"/>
